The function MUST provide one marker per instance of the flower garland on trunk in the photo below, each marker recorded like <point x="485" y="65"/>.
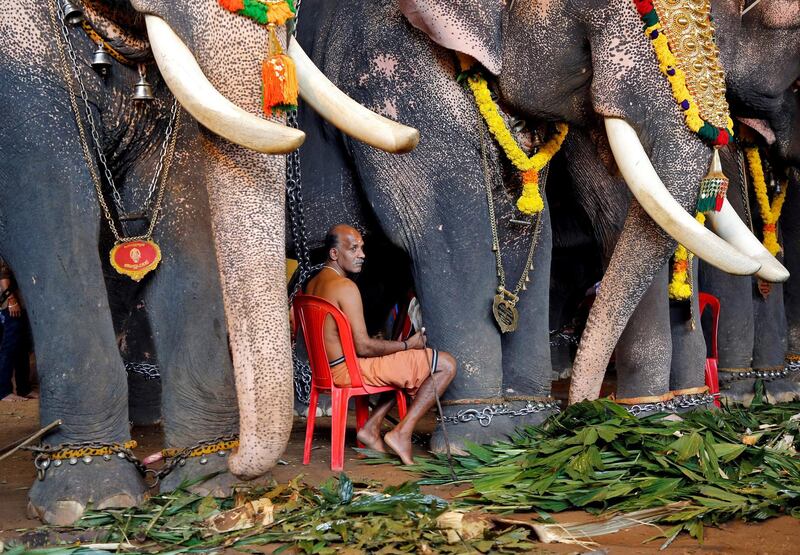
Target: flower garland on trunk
<point x="770" y="214"/>
<point x="697" y="80"/>
<point x="278" y="73"/>
<point x="680" y="286"/>
<point x="530" y="201"/>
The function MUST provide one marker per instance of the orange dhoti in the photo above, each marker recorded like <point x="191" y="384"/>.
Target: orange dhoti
<point x="404" y="370"/>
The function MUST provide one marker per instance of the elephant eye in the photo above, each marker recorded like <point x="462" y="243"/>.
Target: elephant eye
<point x="519" y="125"/>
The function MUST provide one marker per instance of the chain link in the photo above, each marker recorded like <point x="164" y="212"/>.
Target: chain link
<point x="149" y="371"/>
<point x="679" y="402"/>
<point x="43" y="457"/>
<point x="167" y="149"/>
<point x="485" y="415"/>
<point x="501" y="274"/>
<point x="181" y="458"/>
<point x="767" y="375"/>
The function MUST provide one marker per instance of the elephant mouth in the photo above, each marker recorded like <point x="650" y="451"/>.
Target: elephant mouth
<point x="733" y="248"/>
<point x="120" y="29"/>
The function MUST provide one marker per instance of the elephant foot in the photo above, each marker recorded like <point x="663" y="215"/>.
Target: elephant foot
<point x="71" y="486"/>
<point x="783" y="390"/>
<point x="735" y="390"/>
<point x="488" y="423"/>
<point x="220" y="483"/>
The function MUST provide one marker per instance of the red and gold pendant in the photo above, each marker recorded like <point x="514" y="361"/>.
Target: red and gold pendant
<point x="135" y="259"/>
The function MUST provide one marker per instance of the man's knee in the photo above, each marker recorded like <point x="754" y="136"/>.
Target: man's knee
<point x="447" y="365"/>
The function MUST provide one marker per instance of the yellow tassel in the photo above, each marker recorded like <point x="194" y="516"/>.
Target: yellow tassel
<point x="279" y="13"/>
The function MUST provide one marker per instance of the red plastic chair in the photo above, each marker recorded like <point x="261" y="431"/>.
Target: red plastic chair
<point x="712" y="379"/>
<point x="310" y="314"/>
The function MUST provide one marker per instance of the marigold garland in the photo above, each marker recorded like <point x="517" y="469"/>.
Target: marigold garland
<point x="770" y="214"/>
<point x="680" y="287"/>
<point x="530" y="201"/>
<point x="668" y="65"/>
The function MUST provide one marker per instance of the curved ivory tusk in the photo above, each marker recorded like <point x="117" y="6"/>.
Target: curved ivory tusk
<point x="205" y="103"/>
<point x="728" y="225"/>
<point x="345" y="113"/>
<point x="649" y="190"/>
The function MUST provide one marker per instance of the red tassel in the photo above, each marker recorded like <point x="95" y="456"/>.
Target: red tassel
<point x="280" y="83"/>
<point x="279" y="78"/>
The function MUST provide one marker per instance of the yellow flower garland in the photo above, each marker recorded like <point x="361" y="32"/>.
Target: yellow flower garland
<point x="769" y="214"/>
<point x="530" y="201"/>
<point x="680" y="287"/>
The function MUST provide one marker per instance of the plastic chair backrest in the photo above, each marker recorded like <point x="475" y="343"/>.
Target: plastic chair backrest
<point x="707" y="299"/>
<point x="311" y="313"/>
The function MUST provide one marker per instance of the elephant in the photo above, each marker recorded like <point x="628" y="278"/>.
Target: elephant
<point x="217" y="301"/>
<point x="586" y="63"/>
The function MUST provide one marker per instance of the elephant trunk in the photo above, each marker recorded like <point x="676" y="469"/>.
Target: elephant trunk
<point x="247" y="202"/>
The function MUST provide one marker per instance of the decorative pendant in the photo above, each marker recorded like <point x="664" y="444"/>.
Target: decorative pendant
<point x="764" y="287"/>
<point x="712" y="187"/>
<point x="135" y="259"/>
<point x="505" y="311"/>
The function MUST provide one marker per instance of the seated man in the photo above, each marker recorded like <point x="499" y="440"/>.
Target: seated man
<point x="404" y="364"/>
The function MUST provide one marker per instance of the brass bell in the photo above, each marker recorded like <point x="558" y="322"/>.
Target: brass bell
<point x="101" y="60"/>
<point x="72" y="14"/>
<point x="142" y="90"/>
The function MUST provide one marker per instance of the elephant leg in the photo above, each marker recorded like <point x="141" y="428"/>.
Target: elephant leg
<point x="49" y="237"/>
<point x="687" y="376"/>
<point x="644" y="350"/>
<point x="770" y="342"/>
<point x="184" y="302"/>
<point x="527" y="369"/>
<point x="735" y="333"/>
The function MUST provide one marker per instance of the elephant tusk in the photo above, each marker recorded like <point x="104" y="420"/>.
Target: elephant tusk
<point x="206" y="104"/>
<point x="345" y="113"/>
<point x="652" y="194"/>
<point x="728" y="225"/>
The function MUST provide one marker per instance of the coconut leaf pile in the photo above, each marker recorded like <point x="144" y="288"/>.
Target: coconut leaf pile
<point x="336" y="517"/>
<point x="720" y="465"/>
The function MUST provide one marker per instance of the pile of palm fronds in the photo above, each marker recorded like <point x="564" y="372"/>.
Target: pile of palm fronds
<point x="720" y="465"/>
<point x="333" y="518"/>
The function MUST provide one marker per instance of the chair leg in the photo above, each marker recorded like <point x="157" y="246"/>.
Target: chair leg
<point x="362" y="414"/>
<point x="339" y="400"/>
<point x="401" y="404"/>
<point x="312" y="415"/>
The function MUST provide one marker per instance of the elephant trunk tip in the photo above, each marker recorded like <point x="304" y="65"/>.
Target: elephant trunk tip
<point x="249" y="464"/>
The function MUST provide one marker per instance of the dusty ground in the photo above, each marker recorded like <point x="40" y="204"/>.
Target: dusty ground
<point x="18" y="420"/>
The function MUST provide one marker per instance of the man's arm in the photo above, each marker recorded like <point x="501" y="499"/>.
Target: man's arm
<point x="13" y="303"/>
<point x="349" y="299"/>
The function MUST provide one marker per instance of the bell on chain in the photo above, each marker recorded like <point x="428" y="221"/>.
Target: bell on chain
<point x="101" y="60"/>
<point x="73" y="15"/>
<point x="142" y="90"/>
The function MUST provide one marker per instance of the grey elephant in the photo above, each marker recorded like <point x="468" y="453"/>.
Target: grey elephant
<point x="219" y="287"/>
<point x="586" y="63"/>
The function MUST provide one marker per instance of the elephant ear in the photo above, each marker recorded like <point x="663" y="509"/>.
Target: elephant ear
<point x="472" y="27"/>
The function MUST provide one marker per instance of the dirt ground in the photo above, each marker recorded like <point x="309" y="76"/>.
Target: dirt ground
<point x="17" y="420"/>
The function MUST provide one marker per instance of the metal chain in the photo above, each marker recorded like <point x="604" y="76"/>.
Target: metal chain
<point x="149" y="371"/>
<point x="42" y="459"/>
<point x="501" y="275"/>
<point x="167" y="149"/>
<point x="181" y="458"/>
<point x="743" y="189"/>
<point x="767" y="375"/>
<point x="485" y="415"/>
<point x="679" y="402"/>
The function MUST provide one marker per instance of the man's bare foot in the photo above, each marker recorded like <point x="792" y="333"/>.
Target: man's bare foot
<point x="13" y="398"/>
<point x="32" y="395"/>
<point x="400" y="445"/>
<point x="371" y="439"/>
